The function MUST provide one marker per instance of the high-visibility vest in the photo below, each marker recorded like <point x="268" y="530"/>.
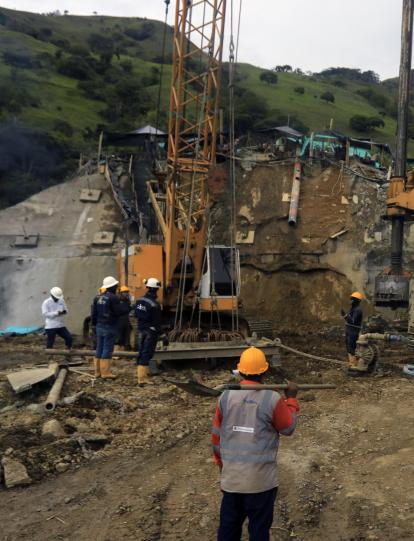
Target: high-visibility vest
<point x="248" y="441"/>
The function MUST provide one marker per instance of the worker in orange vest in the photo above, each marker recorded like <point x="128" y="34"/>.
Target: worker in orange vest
<point x="245" y="437"/>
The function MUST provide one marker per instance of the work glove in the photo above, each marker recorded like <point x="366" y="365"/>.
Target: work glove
<point x="292" y="390"/>
<point x="62" y="312"/>
<point x="165" y="341"/>
<point x="343" y="313"/>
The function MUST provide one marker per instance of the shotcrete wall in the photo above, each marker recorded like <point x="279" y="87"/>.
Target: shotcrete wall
<point x="65" y="255"/>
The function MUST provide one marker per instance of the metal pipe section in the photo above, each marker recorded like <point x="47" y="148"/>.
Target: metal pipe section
<point x="397" y="222"/>
<point x="294" y="198"/>
<point x="196" y="350"/>
<point x="55" y="391"/>
<point x="275" y="387"/>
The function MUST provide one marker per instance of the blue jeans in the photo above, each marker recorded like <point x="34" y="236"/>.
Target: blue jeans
<point x="147" y="342"/>
<point x="62" y="332"/>
<point x="236" y="507"/>
<point x="105" y="341"/>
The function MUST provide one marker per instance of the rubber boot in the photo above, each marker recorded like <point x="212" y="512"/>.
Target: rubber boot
<point x="97" y="367"/>
<point x="116" y="348"/>
<point x="352" y="361"/>
<point x="361" y="366"/>
<point x="143" y="375"/>
<point x="153" y="368"/>
<point x="106" y="369"/>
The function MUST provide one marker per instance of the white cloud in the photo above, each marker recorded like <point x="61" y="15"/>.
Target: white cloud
<point x="312" y="35"/>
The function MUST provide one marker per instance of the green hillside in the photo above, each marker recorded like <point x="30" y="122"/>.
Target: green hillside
<point x="63" y="78"/>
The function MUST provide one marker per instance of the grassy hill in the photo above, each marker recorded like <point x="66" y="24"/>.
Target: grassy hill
<point x="63" y="78"/>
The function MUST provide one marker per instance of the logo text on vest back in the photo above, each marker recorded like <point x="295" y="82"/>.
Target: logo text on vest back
<point x="247" y="429"/>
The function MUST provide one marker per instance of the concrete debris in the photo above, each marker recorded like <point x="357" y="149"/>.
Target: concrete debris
<point x="24" y="380"/>
<point x="89" y="437"/>
<point x="61" y="467"/>
<point x="15" y="473"/>
<point x="68" y="400"/>
<point x="54" y="428"/>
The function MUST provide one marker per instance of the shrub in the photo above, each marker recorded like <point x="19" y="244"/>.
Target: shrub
<point x="63" y="127"/>
<point x="328" y="97"/>
<point x="74" y="66"/>
<point x="365" y="124"/>
<point x="268" y="77"/>
<point x="299" y="90"/>
<point x="19" y="60"/>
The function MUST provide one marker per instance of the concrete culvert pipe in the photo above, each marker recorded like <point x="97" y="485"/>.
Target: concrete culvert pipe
<point x="55" y="391"/>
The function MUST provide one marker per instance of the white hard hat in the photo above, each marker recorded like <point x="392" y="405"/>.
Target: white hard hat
<point x="56" y="292"/>
<point x="153" y="283"/>
<point x="109" y="281"/>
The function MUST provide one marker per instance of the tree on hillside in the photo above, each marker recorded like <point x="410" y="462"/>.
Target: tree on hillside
<point x="364" y="124"/>
<point x="328" y="97"/>
<point x="102" y="45"/>
<point x="268" y="77"/>
<point x="283" y="69"/>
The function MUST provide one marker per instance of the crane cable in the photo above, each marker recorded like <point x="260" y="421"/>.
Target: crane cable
<point x="233" y="54"/>
<point x="167" y="3"/>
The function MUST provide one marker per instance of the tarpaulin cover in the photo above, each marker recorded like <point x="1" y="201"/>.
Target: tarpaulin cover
<point x="20" y="330"/>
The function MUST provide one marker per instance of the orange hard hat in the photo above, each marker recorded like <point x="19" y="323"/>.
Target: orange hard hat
<point x="124" y="289"/>
<point x="252" y="362"/>
<point x="357" y="295"/>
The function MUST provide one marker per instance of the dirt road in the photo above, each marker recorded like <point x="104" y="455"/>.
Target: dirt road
<point x="346" y="474"/>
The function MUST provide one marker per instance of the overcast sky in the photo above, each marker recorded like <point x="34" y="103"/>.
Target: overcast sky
<point x="312" y="35"/>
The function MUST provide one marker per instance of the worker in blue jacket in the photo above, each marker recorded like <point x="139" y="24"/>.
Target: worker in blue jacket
<point x="148" y="313"/>
<point x="106" y="309"/>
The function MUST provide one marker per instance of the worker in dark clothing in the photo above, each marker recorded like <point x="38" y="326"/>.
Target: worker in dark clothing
<point x="148" y="313"/>
<point x="106" y="309"/>
<point x="353" y="324"/>
<point x="245" y="436"/>
<point x="123" y="326"/>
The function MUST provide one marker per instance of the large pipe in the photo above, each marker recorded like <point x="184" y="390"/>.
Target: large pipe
<point x="54" y="394"/>
<point x="397" y="222"/>
<point x="294" y="198"/>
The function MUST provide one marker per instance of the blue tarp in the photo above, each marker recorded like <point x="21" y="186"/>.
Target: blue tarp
<point x="20" y="330"/>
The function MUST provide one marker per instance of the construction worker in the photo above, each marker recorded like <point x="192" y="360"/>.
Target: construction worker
<point x="53" y="310"/>
<point x="148" y="313"/>
<point x="245" y="437"/>
<point x="353" y="324"/>
<point x="106" y="309"/>
<point x="88" y="320"/>
<point x="123" y="326"/>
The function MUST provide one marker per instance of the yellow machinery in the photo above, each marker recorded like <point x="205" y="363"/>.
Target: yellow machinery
<point x="195" y="277"/>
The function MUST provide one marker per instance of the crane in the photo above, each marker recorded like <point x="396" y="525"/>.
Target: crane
<point x="196" y="276"/>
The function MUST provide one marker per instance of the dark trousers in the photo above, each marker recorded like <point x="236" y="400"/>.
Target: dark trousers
<point x="123" y="333"/>
<point x="236" y="507"/>
<point x="147" y="342"/>
<point x="351" y="338"/>
<point x="62" y="332"/>
<point x="105" y="341"/>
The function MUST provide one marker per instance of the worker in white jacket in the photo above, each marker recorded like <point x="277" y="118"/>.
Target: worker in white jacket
<point x="54" y="309"/>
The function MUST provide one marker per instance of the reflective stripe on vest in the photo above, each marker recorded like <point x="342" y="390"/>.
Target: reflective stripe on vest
<point x="246" y="433"/>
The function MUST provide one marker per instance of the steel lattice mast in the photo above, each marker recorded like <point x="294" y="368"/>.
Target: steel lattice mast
<point x="192" y="133"/>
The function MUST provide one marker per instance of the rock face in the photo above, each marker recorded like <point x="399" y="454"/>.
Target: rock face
<point x="15" y="473"/>
<point x="54" y="428"/>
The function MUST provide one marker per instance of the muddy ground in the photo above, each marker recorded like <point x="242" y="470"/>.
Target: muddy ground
<point x="346" y="474"/>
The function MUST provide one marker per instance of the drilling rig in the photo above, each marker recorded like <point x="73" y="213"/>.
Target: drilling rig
<point x="392" y="285"/>
<point x="200" y="281"/>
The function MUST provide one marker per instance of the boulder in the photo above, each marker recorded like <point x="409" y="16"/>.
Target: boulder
<point x="54" y="428"/>
<point x="15" y="473"/>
